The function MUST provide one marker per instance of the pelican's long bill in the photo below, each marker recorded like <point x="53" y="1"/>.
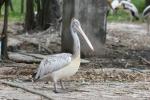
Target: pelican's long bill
<point x="85" y="37"/>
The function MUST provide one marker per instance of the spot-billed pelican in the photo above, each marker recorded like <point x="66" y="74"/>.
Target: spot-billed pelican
<point x="109" y="7"/>
<point x="115" y="4"/>
<point x="59" y="66"/>
<point x="128" y="7"/>
<point x="146" y="15"/>
<point x="131" y="8"/>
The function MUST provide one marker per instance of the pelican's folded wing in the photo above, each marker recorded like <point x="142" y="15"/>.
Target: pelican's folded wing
<point x="146" y="11"/>
<point x="53" y="63"/>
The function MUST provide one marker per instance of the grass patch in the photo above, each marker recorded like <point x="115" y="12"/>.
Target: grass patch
<point x="119" y="16"/>
<point x="140" y="4"/>
<point x="16" y="15"/>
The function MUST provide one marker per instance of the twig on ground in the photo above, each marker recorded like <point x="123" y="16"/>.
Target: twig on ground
<point x="48" y="51"/>
<point x="126" y="65"/>
<point x="24" y="88"/>
<point x="6" y="77"/>
<point x="145" y="60"/>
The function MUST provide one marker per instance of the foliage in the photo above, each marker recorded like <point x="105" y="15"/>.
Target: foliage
<point x="140" y="4"/>
<point x="16" y="15"/>
<point x="120" y="16"/>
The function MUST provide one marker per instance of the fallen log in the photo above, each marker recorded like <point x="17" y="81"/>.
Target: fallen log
<point x="145" y="60"/>
<point x="38" y="56"/>
<point x="22" y="57"/>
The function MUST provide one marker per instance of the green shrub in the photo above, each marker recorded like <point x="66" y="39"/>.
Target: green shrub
<point x="16" y="15"/>
<point x="140" y="4"/>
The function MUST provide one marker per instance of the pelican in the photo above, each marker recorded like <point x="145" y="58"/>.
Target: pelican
<point x="131" y="8"/>
<point x="115" y="4"/>
<point x="109" y="7"/>
<point x="146" y="15"/>
<point x="59" y="66"/>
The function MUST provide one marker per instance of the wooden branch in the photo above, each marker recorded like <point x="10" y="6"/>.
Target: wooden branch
<point x="84" y="61"/>
<point x="4" y="54"/>
<point x="26" y="89"/>
<point x="23" y="58"/>
<point x="20" y="65"/>
<point x="38" y="56"/>
<point x="48" y="51"/>
<point x="26" y="61"/>
<point x="6" y="77"/>
<point x="126" y="65"/>
<point x="145" y="60"/>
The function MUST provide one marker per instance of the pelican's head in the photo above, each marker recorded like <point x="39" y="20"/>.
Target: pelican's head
<point x="76" y="28"/>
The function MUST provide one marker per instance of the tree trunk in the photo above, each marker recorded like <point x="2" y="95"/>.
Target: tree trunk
<point x="22" y="6"/>
<point x="0" y="10"/>
<point x="4" y="54"/>
<point x="11" y="5"/>
<point x="48" y="13"/>
<point x="29" y="17"/>
<point x="1" y="4"/>
<point x="68" y="14"/>
<point x="92" y="15"/>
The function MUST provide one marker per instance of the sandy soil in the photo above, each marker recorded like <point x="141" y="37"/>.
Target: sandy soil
<point x="122" y="73"/>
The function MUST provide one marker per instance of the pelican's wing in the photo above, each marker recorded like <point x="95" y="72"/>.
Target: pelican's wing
<point x="53" y="63"/>
<point x="129" y="5"/>
<point x="134" y="8"/>
<point x="146" y="11"/>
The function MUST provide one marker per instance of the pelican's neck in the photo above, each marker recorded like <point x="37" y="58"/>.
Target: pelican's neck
<point x="76" y="45"/>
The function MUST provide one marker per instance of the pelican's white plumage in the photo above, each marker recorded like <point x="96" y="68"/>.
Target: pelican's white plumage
<point x="63" y="65"/>
<point x="146" y="11"/>
<point x="53" y="63"/>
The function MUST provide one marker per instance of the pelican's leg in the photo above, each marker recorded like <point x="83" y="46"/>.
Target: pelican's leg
<point x="55" y="87"/>
<point x="131" y="18"/>
<point x="148" y="26"/>
<point x="130" y="15"/>
<point x="62" y="85"/>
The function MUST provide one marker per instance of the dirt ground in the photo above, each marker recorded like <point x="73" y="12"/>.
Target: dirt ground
<point x="121" y="73"/>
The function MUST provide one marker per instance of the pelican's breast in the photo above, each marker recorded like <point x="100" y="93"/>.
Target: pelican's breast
<point x="68" y="70"/>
